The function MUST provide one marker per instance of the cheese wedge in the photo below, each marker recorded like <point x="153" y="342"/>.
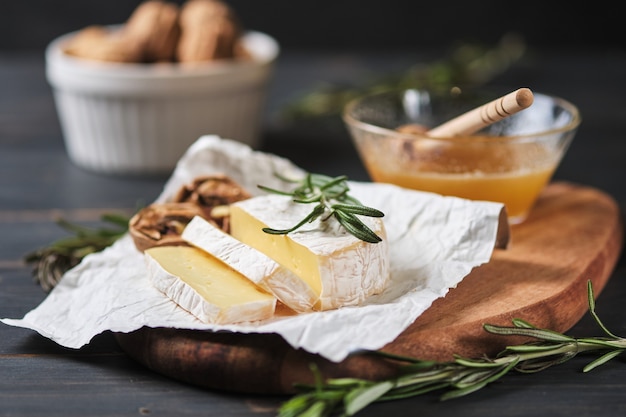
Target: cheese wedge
<point x="206" y="287"/>
<point x="337" y="268"/>
<point x="254" y="265"/>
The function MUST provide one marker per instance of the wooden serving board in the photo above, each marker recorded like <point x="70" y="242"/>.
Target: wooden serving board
<point x="574" y="234"/>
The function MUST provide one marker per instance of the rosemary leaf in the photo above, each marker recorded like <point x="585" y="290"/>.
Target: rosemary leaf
<point x="460" y="392"/>
<point x="413" y="391"/>
<point x="115" y="219"/>
<point x="619" y="343"/>
<point x="531" y="347"/>
<point x="360" y="398"/>
<point x="357" y="209"/>
<point x="534" y="365"/>
<point x="472" y="363"/>
<point x="602" y="360"/>
<point x="522" y="324"/>
<point x="317" y="212"/>
<point x="343" y="382"/>
<point x="592" y="310"/>
<point x="273" y="190"/>
<point x="317" y="409"/>
<point x="356" y="227"/>
<point x="543" y="334"/>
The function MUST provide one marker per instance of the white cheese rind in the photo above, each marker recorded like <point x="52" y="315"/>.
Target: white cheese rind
<point x="251" y="263"/>
<point x="191" y="300"/>
<point x="350" y="269"/>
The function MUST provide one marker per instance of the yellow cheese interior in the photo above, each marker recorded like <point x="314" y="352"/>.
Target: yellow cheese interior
<point x="211" y="278"/>
<point x="293" y="256"/>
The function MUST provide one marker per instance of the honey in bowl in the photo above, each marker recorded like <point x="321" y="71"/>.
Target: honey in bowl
<point x="472" y="171"/>
<point x="510" y="161"/>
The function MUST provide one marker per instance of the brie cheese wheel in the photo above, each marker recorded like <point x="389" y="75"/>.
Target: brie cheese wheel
<point x="337" y="268"/>
<point x="251" y="263"/>
<point x="206" y="287"/>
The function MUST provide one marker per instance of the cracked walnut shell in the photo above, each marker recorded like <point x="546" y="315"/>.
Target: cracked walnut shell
<point x="161" y="224"/>
<point x="213" y="193"/>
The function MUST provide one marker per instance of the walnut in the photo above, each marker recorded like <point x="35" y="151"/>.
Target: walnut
<point x="101" y="44"/>
<point x="154" y="27"/>
<point x="207" y="196"/>
<point x="213" y="194"/>
<point x="162" y="31"/>
<point x="161" y="224"/>
<point x="209" y="30"/>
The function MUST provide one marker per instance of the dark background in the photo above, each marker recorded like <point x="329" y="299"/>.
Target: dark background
<point x="353" y="24"/>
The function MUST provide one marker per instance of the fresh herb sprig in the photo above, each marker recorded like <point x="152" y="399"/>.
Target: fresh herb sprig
<point x="52" y="261"/>
<point x="466" y="65"/>
<point x="333" y="201"/>
<point x="457" y="378"/>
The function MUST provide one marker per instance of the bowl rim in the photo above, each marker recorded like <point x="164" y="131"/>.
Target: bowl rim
<point x="350" y="120"/>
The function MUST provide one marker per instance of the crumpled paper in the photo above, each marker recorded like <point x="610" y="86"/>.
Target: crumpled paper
<point x="434" y="243"/>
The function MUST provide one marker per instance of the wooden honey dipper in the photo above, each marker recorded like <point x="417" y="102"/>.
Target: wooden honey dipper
<point x="483" y="116"/>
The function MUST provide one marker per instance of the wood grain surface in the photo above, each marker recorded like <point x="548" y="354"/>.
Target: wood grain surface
<point x="574" y="234"/>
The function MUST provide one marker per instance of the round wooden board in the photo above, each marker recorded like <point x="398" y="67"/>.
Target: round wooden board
<point x="574" y="234"/>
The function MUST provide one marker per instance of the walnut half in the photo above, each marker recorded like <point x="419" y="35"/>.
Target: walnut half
<point x="161" y="224"/>
<point x="213" y="194"/>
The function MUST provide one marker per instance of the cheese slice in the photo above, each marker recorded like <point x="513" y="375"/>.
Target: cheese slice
<point x="253" y="264"/>
<point x="206" y="287"/>
<point x="337" y="268"/>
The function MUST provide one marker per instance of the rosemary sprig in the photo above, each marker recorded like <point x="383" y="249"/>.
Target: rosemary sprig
<point x="462" y="376"/>
<point x="52" y="261"/>
<point x="467" y="65"/>
<point x="333" y="201"/>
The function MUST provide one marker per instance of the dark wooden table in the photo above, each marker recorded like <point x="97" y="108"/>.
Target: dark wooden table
<point x="38" y="183"/>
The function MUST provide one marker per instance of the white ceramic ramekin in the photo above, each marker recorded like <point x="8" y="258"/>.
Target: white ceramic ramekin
<point x="140" y="118"/>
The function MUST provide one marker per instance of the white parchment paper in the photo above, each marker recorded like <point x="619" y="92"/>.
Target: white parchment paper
<point x="434" y="243"/>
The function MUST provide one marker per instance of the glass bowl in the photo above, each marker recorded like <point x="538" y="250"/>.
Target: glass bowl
<point x="510" y="161"/>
